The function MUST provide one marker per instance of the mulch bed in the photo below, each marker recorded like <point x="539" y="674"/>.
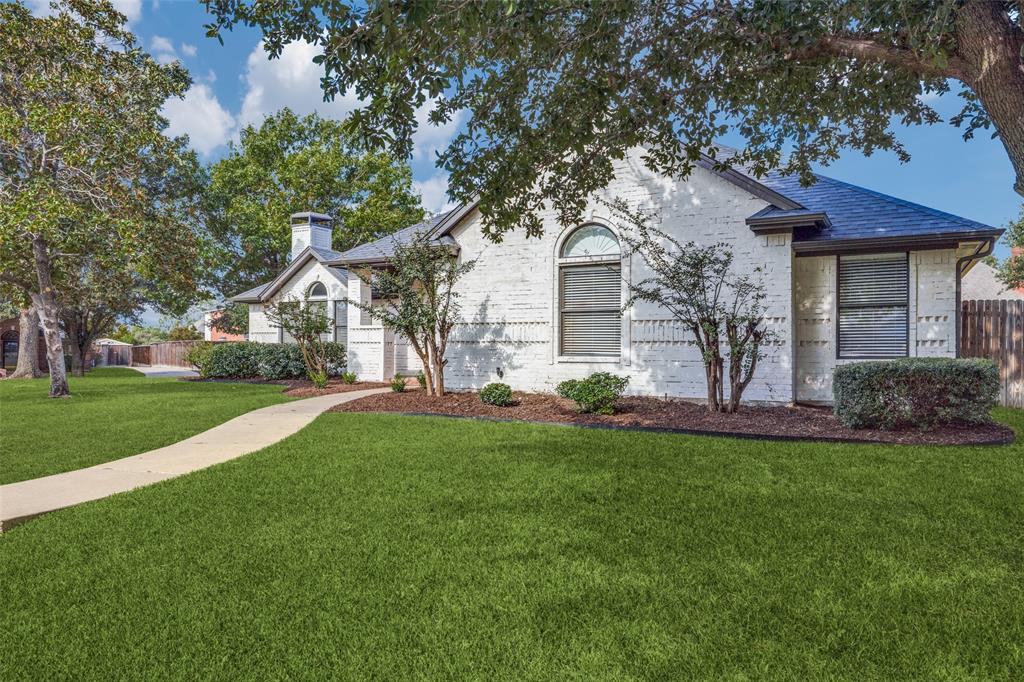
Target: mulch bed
<point x="299" y="388"/>
<point x="776" y="422"/>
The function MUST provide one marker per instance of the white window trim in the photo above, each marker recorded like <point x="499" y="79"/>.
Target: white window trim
<point x="625" y="335"/>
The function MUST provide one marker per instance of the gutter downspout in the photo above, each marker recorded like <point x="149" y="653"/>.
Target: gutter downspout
<point x="983" y="251"/>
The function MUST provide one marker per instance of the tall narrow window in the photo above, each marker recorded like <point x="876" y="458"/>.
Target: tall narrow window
<point x="590" y="293"/>
<point x="873" y="306"/>
<point x="317" y="296"/>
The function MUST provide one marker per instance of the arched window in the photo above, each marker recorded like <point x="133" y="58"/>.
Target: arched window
<point x="590" y="293"/>
<point x="317" y="296"/>
<point x="317" y="290"/>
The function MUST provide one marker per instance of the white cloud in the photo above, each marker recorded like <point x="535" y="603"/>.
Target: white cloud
<point x="163" y="50"/>
<point x="189" y="50"/>
<point x="430" y="139"/>
<point x="434" y="190"/>
<point x="292" y="80"/>
<point x="200" y="116"/>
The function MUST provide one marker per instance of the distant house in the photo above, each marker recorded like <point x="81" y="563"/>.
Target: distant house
<point x="981" y="284"/>
<point x="210" y="330"/>
<point x="852" y="274"/>
<point x="10" y="330"/>
<point x="109" y="342"/>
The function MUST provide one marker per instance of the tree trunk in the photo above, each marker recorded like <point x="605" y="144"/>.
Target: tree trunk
<point x="28" y="340"/>
<point x="991" y="43"/>
<point x="439" y="376"/>
<point x="45" y="301"/>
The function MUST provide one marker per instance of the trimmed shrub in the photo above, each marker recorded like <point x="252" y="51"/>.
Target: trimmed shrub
<point x="235" y="361"/>
<point x="279" y="361"/>
<point x="919" y="392"/>
<point x="422" y="379"/>
<point x="497" y="394"/>
<point x="199" y="356"/>
<point x="398" y="384"/>
<point x="248" y="360"/>
<point x="597" y="393"/>
<point x="348" y="377"/>
<point x="337" y="360"/>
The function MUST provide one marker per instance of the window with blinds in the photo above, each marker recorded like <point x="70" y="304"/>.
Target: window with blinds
<point x="341" y="321"/>
<point x="590" y="316"/>
<point x="873" y="306"/>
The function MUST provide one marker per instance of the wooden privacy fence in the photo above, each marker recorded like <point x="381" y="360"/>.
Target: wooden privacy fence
<point x="995" y="330"/>
<point x="167" y="353"/>
<point x="109" y="356"/>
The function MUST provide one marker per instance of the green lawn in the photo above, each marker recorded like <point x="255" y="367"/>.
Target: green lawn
<point x="113" y="412"/>
<point x="388" y="547"/>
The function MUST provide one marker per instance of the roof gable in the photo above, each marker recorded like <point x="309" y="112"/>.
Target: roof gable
<point x="263" y="292"/>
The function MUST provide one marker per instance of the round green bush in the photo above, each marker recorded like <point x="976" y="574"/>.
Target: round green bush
<point x="597" y="393"/>
<point x="497" y="394"/>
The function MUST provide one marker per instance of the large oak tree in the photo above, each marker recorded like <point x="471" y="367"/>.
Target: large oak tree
<point x="88" y="180"/>
<point x="289" y="164"/>
<point x="559" y="89"/>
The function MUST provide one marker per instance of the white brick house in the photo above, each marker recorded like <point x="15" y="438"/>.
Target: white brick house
<point x="851" y="274"/>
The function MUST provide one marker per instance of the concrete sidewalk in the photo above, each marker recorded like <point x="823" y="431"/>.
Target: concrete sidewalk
<point x="164" y="371"/>
<point x="250" y="432"/>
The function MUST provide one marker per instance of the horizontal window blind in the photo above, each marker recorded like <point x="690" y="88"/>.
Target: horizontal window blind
<point x="873" y="294"/>
<point x="590" y="316"/>
<point x="341" y="321"/>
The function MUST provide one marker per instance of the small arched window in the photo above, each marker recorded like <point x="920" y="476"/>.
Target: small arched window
<point x="317" y="290"/>
<point x="591" y="241"/>
<point x="590" y="293"/>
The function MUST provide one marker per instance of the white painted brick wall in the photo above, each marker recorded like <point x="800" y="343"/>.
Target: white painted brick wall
<point x="260" y="328"/>
<point x="508" y="299"/>
<point x="932" y="315"/>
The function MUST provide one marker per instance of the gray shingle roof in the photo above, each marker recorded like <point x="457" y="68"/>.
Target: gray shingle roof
<point x="859" y="213"/>
<point x="252" y="295"/>
<point x="384" y="247"/>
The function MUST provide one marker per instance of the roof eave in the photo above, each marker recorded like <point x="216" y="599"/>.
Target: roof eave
<point x="763" y="224"/>
<point x="827" y="247"/>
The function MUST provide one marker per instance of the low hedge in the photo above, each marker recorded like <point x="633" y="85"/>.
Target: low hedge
<point x="248" y="360"/>
<point x="918" y="392"/>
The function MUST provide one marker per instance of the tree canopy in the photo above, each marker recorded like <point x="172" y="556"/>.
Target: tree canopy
<point x="88" y="180"/>
<point x="557" y="90"/>
<point x="290" y="164"/>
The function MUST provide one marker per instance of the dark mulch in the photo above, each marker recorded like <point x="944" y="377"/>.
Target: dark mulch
<point x="299" y="388"/>
<point x="798" y="422"/>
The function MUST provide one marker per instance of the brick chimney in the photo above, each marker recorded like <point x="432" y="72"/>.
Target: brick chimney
<point x="310" y="229"/>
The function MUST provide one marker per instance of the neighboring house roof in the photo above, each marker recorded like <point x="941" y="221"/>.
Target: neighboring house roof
<point x="383" y="248"/>
<point x="263" y="292"/>
<point x="109" y="342"/>
<point x="862" y="215"/>
<point x="981" y="284"/>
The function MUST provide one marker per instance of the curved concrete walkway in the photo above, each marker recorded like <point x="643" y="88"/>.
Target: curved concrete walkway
<point x="250" y="432"/>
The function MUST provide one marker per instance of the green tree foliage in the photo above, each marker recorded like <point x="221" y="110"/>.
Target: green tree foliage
<point x="88" y="180"/>
<point x="1011" y="272"/>
<point x="699" y="287"/>
<point x="290" y="164"/>
<point x="557" y="90"/>
<point x="308" y="324"/>
<point x="420" y="301"/>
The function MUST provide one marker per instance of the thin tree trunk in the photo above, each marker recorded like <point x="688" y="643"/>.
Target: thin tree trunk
<point x="45" y="301"/>
<point x="992" y="44"/>
<point x="28" y="345"/>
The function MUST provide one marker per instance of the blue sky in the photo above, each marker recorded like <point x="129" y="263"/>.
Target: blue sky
<point x="236" y="85"/>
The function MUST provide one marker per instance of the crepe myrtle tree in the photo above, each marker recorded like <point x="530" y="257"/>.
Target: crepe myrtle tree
<point x="553" y="92"/>
<point x="699" y="287"/>
<point x="84" y="162"/>
<point x="417" y="287"/>
<point x="307" y="323"/>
